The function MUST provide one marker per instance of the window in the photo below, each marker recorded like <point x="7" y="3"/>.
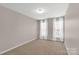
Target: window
<point x="58" y="28"/>
<point x="43" y="29"/>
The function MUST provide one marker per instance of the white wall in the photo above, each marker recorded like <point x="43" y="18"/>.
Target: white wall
<point x="72" y="29"/>
<point x="15" y="29"/>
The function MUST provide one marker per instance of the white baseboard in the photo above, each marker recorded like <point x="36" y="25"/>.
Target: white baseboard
<point x="15" y="46"/>
<point x="72" y="51"/>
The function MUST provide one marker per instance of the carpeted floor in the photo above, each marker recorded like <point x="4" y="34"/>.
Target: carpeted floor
<point x="39" y="47"/>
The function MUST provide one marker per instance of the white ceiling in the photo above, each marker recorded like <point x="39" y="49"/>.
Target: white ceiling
<point x="28" y="9"/>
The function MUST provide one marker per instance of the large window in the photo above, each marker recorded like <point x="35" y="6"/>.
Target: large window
<point x="58" y="29"/>
<point x="43" y="29"/>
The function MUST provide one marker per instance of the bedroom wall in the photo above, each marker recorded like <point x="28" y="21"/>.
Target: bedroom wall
<point x="15" y="29"/>
<point x="72" y="29"/>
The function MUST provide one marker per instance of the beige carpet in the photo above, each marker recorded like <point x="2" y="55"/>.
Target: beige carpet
<point x="39" y="47"/>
